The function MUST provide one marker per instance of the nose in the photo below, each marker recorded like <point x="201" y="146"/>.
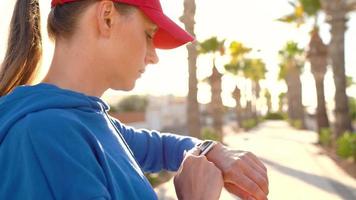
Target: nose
<point x="152" y="57"/>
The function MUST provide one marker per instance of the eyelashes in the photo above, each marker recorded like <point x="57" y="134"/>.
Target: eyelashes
<point x="149" y="37"/>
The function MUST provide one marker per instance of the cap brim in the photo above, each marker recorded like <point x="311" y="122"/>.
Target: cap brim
<point x="169" y="35"/>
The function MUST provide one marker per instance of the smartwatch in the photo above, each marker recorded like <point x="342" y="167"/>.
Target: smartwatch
<point x="205" y="146"/>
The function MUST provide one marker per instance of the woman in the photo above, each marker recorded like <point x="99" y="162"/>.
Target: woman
<point x="57" y="140"/>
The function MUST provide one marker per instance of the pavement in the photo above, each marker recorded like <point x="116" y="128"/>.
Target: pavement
<point x="297" y="168"/>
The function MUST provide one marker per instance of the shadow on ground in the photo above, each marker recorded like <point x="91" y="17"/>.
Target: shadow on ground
<point x="342" y="190"/>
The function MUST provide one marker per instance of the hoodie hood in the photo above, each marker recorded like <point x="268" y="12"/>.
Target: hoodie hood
<point x="28" y="99"/>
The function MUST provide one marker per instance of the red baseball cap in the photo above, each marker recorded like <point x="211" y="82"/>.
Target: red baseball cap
<point x="168" y="36"/>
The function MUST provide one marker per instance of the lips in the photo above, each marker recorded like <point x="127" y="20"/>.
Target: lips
<point x="142" y="71"/>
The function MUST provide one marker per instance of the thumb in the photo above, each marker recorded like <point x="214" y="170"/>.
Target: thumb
<point x="194" y="151"/>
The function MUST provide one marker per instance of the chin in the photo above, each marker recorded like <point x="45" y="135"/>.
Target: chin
<point x="125" y="87"/>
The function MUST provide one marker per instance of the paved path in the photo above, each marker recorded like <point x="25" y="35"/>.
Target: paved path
<point x="297" y="169"/>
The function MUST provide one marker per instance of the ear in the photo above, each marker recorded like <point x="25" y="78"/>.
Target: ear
<point x="105" y="17"/>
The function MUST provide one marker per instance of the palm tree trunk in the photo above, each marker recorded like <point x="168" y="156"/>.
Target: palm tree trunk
<point x="317" y="55"/>
<point x="269" y="101"/>
<point x="294" y="94"/>
<point x="257" y="90"/>
<point x="336" y="11"/>
<point x="194" y="126"/>
<point x="322" y="118"/>
<point x="248" y="110"/>
<point x="281" y="101"/>
<point x="216" y="101"/>
<point x="237" y="97"/>
<point x="291" y="109"/>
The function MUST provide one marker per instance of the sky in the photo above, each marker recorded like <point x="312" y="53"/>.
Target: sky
<point x="251" y="22"/>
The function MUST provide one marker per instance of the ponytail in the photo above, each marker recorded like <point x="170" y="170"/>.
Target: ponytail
<point x="24" y="48"/>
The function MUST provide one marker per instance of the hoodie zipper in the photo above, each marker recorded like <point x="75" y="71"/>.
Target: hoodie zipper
<point x="120" y="135"/>
<point x="128" y="148"/>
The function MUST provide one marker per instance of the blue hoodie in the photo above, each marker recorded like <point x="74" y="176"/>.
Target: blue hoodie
<point x="61" y="144"/>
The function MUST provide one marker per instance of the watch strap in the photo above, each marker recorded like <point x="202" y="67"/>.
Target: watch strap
<point x="205" y="146"/>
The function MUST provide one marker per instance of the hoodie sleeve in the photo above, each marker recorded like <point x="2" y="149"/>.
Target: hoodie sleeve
<point x="155" y="151"/>
<point x="55" y="159"/>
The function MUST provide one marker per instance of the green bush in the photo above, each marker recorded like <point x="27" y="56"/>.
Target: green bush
<point x="346" y="145"/>
<point x="296" y="123"/>
<point x="134" y="103"/>
<point x="249" y="123"/>
<point x="325" y="137"/>
<point x="157" y="179"/>
<point x="352" y="107"/>
<point x="275" y="116"/>
<point x="153" y="179"/>
<point x="208" y="133"/>
<point x="260" y="119"/>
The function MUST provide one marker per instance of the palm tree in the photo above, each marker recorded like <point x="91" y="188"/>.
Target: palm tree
<point x="216" y="104"/>
<point x="212" y="46"/>
<point x="255" y="70"/>
<point x="237" y="52"/>
<point x="193" y="114"/>
<point x="236" y="94"/>
<point x="336" y="11"/>
<point x="268" y="97"/>
<point x="281" y="102"/>
<point x="317" y="53"/>
<point x="290" y="69"/>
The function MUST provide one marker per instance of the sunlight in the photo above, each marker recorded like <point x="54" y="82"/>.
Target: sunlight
<point x="251" y="22"/>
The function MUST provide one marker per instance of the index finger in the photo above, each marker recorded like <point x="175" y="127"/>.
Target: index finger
<point x="257" y="161"/>
<point x="247" y="185"/>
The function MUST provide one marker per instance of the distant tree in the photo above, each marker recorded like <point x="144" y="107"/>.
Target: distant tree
<point x="281" y="100"/>
<point x="305" y="10"/>
<point x="336" y="14"/>
<point x="255" y="70"/>
<point x="237" y="52"/>
<point x="268" y="97"/>
<point x="352" y="105"/>
<point x="193" y="114"/>
<point x="213" y="46"/>
<point x="133" y="103"/>
<point x="290" y="70"/>
<point x="350" y="81"/>
<point x="236" y="94"/>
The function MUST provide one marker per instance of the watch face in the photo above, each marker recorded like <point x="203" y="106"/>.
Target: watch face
<point x="206" y="146"/>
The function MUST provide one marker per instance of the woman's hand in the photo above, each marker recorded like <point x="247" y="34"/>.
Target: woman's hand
<point x="244" y="174"/>
<point x="197" y="178"/>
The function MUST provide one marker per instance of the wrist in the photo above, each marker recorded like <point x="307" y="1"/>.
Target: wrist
<point x="205" y="146"/>
<point x="215" y="155"/>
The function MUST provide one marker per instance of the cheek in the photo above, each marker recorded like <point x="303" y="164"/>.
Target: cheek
<point x="127" y="56"/>
<point x="138" y="48"/>
<point x="135" y="41"/>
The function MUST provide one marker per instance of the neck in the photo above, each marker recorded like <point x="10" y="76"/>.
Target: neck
<point x="73" y="69"/>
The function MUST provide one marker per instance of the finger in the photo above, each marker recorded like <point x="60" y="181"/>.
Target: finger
<point x="250" y="198"/>
<point x="189" y="154"/>
<point x="247" y="185"/>
<point x="255" y="164"/>
<point x="234" y="189"/>
<point x="256" y="167"/>
<point x="193" y="151"/>
<point x="257" y="161"/>
<point x="255" y="176"/>
<point x="260" y="164"/>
